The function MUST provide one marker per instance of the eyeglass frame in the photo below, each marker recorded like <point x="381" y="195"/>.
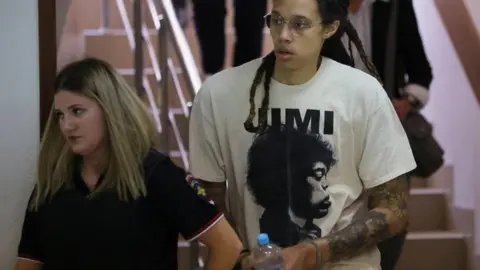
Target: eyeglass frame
<point x="292" y="30"/>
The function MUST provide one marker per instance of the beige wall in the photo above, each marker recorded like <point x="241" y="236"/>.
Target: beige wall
<point x="474" y="8"/>
<point x="19" y="118"/>
<point x="453" y="109"/>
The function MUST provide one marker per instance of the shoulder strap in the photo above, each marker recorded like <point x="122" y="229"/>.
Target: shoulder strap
<point x="391" y="50"/>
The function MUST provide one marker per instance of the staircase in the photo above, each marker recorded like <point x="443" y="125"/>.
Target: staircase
<point x="432" y="244"/>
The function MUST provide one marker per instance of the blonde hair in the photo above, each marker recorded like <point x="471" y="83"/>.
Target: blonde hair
<point x="130" y="133"/>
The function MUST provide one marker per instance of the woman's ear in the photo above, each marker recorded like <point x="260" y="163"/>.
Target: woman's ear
<point x="330" y="29"/>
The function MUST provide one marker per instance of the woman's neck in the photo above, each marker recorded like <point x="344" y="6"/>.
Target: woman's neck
<point x="95" y="163"/>
<point x="295" y="76"/>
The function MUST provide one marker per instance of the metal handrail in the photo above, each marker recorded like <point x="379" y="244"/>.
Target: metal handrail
<point x="180" y="43"/>
<point x="185" y="54"/>
<point x="167" y="22"/>
<point x="164" y="24"/>
<point x="165" y="64"/>
<point x="131" y="40"/>
<point x="126" y="23"/>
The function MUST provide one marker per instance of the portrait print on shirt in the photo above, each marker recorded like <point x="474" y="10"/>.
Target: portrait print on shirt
<point x="287" y="176"/>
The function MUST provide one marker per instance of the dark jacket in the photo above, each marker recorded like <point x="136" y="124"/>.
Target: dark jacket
<point x="413" y="71"/>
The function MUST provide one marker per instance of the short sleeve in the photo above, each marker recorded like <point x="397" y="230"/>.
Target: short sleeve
<point x="29" y="247"/>
<point x="206" y="160"/>
<point x="386" y="150"/>
<point x="183" y="200"/>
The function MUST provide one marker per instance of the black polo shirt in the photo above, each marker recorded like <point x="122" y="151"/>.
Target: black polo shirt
<point x="76" y="232"/>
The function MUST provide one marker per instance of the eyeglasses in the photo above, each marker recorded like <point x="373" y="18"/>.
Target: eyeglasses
<point x="296" y="26"/>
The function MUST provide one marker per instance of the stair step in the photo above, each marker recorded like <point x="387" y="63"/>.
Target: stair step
<point x="129" y="76"/>
<point x="115" y="49"/>
<point x="435" y="235"/>
<point x="427" y="191"/>
<point x="427" y="210"/>
<point x="434" y="251"/>
<point x="418" y="182"/>
<point x="92" y="11"/>
<point x="112" y="32"/>
<point x="174" y="100"/>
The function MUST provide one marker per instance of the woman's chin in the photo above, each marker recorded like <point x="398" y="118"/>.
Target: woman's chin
<point x="80" y="150"/>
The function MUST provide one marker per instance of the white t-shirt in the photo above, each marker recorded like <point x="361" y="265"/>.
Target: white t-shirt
<point x="348" y="139"/>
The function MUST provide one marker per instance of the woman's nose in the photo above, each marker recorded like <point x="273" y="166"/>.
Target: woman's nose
<point x="69" y="124"/>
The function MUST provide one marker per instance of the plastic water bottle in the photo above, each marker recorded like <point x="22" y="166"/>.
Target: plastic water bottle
<point x="267" y="256"/>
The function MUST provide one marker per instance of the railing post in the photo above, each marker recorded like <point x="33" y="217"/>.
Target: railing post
<point x="163" y="84"/>
<point x="164" y="109"/>
<point x="137" y="22"/>
<point x="104" y="14"/>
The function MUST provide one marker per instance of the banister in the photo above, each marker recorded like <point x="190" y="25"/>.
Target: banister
<point x="465" y="37"/>
<point x="180" y="44"/>
<point x="137" y="25"/>
<point x="132" y="42"/>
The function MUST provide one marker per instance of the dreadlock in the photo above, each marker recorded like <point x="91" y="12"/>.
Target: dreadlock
<point x="353" y="37"/>
<point x="266" y="68"/>
<point x="330" y="10"/>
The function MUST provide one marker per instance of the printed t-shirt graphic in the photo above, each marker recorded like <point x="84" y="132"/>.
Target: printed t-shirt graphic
<point x="287" y="176"/>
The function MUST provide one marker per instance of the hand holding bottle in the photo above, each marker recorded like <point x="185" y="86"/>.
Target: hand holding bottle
<point x="268" y="256"/>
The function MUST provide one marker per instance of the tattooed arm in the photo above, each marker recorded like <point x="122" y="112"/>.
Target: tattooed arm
<point x="387" y="217"/>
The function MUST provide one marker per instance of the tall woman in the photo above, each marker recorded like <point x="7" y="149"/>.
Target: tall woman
<point x="312" y="149"/>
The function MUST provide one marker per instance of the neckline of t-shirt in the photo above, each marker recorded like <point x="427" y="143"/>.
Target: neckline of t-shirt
<point x="303" y="86"/>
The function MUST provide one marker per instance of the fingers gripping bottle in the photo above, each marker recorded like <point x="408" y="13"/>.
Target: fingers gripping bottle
<point x="267" y="256"/>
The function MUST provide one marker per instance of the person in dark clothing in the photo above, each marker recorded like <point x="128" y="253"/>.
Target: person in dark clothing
<point x="209" y="16"/>
<point x="180" y="7"/>
<point x="103" y="197"/>
<point x="413" y="71"/>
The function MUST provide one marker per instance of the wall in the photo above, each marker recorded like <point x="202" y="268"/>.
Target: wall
<point x="454" y="110"/>
<point x="19" y="118"/>
<point x="474" y="8"/>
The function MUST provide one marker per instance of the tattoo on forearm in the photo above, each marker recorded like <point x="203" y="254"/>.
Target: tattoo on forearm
<point x="358" y="236"/>
<point x="375" y="226"/>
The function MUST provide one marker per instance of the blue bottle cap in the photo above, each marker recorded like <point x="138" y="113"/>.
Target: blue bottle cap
<point x="262" y="239"/>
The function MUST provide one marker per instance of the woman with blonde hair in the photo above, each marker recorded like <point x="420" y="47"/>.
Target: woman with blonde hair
<point x="104" y="198"/>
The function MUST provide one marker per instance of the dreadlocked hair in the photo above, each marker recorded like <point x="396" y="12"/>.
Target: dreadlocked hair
<point x="266" y="68"/>
<point x="333" y="48"/>
<point x="353" y="37"/>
